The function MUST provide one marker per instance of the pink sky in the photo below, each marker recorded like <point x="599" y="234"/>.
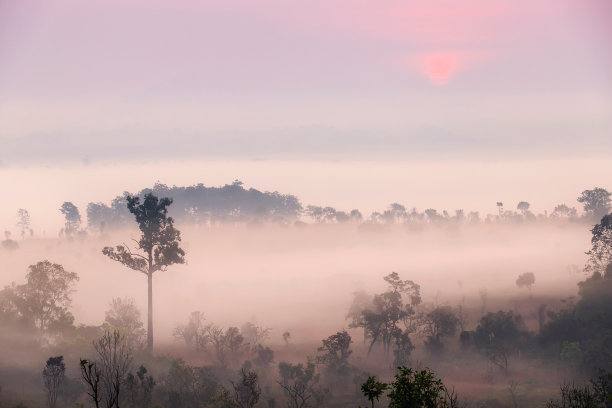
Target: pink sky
<point x="93" y="81"/>
<point x="72" y="65"/>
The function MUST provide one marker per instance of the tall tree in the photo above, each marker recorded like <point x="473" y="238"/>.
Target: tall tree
<point x="158" y="246"/>
<point x="72" y="216"/>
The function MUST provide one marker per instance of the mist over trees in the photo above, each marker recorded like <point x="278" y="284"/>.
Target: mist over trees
<point x="400" y="348"/>
<point x="72" y="219"/>
<point x="202" y="205"/>
<point x="232" y="203"/>
<point x="43" y="302"/>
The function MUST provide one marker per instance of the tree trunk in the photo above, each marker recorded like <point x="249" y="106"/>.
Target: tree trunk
<point x="150" y="314"/>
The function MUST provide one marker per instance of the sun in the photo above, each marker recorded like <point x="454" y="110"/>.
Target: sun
<point x="439" y="67"/>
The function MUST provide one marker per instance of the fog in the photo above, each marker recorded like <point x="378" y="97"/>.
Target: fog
<point x="301" y="275"/>
<point x="303" y="279"/>
<point x="367" y="194"/>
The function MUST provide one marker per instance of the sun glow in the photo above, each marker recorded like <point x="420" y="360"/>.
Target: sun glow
<point x="439" y="67"/>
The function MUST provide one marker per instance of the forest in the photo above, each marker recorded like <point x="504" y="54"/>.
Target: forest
<point x="257" y="300"/>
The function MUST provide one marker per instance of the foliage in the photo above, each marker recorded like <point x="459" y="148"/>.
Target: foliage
<point x="600" y="254"/>
<point x="44" y="300"/>
<point x="388" y="319"/>
<point x="526" y="279"/>
<point x="300" y="384"/>
<point x="373" y="389"/>
<point x="124" y="316"/>
<point x="193" y="333"/>
<point x="254" y="335"/>
<point x="54" y="375"/>
<point x="247" y="391"/>
<point x="190" y="387"/>
<point x="362" y="301"/>
<point x="597" y="202"/>
<point x="263" y="356"/>
<point x="596" y="394"/>
<point x="411" y="389"/>
<point x="159" y="245"/>
<point x="500" y="334"/>
<point x="225" y="345"/>
<point x="206" y="205"/>
<point x="585" y="326"/>
<point x="571" y="354"/>
<point x="336" y="351"/>
<point x="440" y="322"/>
<point x="505" y="329"/>
<point x="139" y="389"/>
<point x="563" y="211"/>
<point x="72" y="218"/>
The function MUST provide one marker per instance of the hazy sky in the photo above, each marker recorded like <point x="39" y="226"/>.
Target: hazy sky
<point x="447" y="104"/>
<point x="87" y="80"/>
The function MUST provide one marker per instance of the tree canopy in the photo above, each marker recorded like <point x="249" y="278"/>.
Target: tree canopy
<point x="204" y="205"/>
<point x="158" y="246"/>
<point x="44" y="300"/>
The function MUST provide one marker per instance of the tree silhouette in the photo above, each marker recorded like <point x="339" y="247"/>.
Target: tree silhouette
<point x="44" y="300"/>
<point x="158" y="245"/>
<point x="526" y="279"/>
<point x="600" y="254"/>
<point x="373" y="389"/>
<point x="73" y="218"/>
<point x="124" y="316"/>
<point x="336" y="351"/>
<point x="597" y="202"/>
<point x="24" y="222"/>
<point x="53" y="374"/>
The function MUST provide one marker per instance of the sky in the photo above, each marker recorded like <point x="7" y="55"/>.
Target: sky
<point x="77" y="76"/>
<point x="132" y="82"/>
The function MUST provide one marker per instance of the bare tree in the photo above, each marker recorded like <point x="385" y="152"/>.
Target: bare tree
<point x="227" y="345"/>
<point x="106" y="377"/>
<point x="91" y="374"/>
<point x="301" y="385"/>
<point x="194" y="332"/>
<point x="115" y="362"/>
<point x="253" y="334"/>
<point x="124" y="316"/>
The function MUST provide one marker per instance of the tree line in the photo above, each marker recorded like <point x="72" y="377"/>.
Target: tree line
<point x="233" y="203"/>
